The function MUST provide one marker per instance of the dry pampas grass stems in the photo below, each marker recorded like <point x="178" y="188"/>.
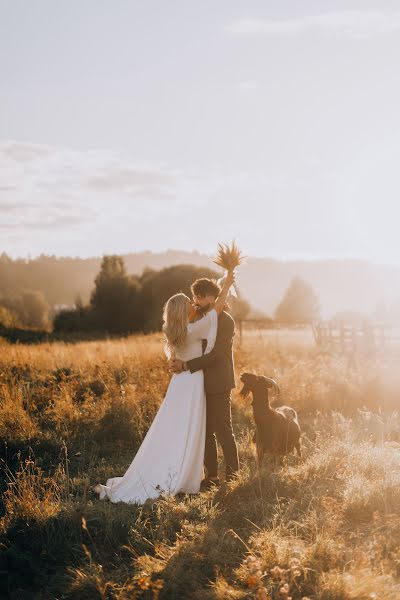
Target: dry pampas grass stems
<point x="228" y="257"/>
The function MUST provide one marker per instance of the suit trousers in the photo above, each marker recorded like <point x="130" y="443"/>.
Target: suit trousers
<point x="219" y="427"/>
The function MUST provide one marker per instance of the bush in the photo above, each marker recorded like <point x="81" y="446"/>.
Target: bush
<point x="8" y="318"/>
<point x="31" y="310"/>
<point x="73" y="320"/>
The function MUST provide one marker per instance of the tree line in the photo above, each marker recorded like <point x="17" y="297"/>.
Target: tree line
<point x="122" y="303"/>
<point x="33" y="289"/>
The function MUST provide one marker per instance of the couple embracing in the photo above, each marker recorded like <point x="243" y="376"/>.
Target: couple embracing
<point x="197" y="406"/>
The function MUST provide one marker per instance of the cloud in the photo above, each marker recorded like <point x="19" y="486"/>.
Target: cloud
<point x="46" y="187"/>
<point x="136" y="182"/>
<point x="23" y="152"/>
<point x="7" y="188"/>
<point x="249" y="85"/>
<point x="46" y="223"/>
<point x="59" y="222"/>
<point x="28" y="217"/>
<point x="352" y="23"/>
<point x="11" y="207"/>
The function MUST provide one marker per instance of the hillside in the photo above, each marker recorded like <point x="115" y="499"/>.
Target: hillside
<point x="340" y="284"/>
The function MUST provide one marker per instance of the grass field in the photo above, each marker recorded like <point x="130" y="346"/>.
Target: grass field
<point x="326" y="528"/>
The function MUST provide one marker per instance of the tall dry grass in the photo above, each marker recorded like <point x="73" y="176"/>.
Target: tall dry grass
<point x="326" y="528"/>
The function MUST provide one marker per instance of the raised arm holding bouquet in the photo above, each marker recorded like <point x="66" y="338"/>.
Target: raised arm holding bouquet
<point x="228" y="258"/>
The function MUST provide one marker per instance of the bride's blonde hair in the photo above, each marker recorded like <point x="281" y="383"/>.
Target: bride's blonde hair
<point x="175" y="317"/>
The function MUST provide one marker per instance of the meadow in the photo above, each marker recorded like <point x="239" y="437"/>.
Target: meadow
<point x="325" y="528"/>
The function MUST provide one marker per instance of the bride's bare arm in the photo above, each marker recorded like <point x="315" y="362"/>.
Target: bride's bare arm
<point x="221" y="300"/>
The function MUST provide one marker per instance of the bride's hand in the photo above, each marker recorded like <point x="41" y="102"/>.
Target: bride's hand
<point x="176" y="365"/>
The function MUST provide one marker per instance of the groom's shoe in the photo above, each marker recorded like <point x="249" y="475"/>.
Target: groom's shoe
<point x="209" y="483"/>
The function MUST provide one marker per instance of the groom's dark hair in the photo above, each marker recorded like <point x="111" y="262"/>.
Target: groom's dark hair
<point x="205" y="287"/>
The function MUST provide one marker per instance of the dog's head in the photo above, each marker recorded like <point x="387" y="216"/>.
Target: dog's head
<point x="257" y="384"/>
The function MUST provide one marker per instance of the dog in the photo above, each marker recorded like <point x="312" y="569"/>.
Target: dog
<point x="277" y="430"/>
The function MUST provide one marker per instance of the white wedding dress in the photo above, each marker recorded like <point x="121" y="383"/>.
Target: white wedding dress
<point x="170" y="458"/>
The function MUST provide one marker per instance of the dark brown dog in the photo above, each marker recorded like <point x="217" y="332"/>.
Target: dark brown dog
<point x="277" y="430"/>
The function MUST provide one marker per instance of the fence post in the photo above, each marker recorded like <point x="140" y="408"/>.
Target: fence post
<point x="383" y="337"/>
<point x="342" y="337"/>
<point x="354" y="339"/>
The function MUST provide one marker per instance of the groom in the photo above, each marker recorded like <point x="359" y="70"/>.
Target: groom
<point x="219" y="380"/>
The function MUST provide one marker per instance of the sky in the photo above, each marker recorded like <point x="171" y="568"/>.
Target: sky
<point x="129" y="126"/>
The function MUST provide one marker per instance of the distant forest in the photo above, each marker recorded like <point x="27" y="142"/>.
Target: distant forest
<point x="63" y="280"/>
<point x="120" y="303"/>
<point x="339" y="284"/>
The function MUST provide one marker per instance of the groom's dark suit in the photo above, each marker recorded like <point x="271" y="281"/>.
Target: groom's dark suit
<point x="219" y="380"/>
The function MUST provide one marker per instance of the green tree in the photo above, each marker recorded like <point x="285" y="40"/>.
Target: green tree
<point x="299" y="305"/>
<point x="115" y="299"/>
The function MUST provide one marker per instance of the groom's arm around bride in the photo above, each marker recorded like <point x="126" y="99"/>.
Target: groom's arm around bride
<point x="218" y="365"/>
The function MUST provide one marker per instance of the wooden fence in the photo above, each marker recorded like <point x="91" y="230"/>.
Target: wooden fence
<point x="367" y="338"/>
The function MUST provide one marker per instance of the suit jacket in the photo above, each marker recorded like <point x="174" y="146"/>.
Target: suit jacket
<point x="218" y="365"/>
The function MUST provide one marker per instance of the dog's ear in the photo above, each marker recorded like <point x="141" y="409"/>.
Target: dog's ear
<point x="245" y="378"/>
<point x="273" y="385"/>
<point x="245" y="391"/>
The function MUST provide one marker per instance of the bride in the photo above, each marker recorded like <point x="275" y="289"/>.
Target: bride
<point x="170" y="458"/>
